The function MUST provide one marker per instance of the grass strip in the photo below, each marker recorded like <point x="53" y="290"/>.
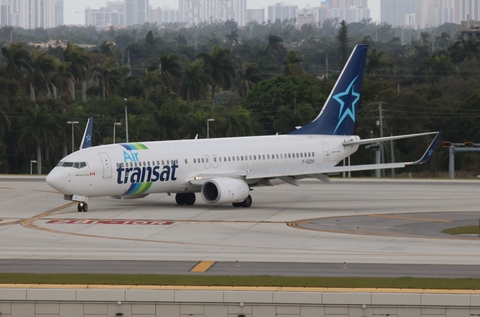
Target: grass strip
<point x="463" y="230"/>
<point x="277" y="281"/>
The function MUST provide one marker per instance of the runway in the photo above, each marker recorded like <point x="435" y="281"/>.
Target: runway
<point x="370" y="225"/>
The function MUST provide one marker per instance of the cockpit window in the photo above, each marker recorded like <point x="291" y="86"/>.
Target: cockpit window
<point x="78" y="165"/>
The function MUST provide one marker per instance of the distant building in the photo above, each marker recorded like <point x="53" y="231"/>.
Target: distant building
<point x="59" y="13"/>
<point x="5" y="13"/>
<point x="398" y="12"/>
<point x="170" y="15"/>
<point x="112" y="15"/>
<point x="306" y="16"/>
<point x="351" y="14"/>
<point x="212" y="11"/>
<point x="136" y="12"/>
<point x="257" y="15"/>
<point x="282" y="12"/>
<point x="155" y="16"/>
<point x="31" y="14"/>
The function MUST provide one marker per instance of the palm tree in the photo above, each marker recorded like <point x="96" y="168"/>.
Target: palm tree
<point x="462" y="49"/>
<point x="105" y="75"/>
<point x="17" y="58"/>
<point x="249" y="75"/>
<point x="170" y="71"/>
<point x="195" y="82"/>
<point x="232" y="37"/>
<point x="39" y="129"/>
<point x="374" y="61"/>
<point x="219" y="67"/>
<point x="59" y="80"/>
<point x="41" y="68"/>
<point x="291" y="64"/>
<point x="77" y="67"/>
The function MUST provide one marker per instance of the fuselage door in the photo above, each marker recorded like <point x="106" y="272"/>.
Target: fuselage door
<point x="107" y="165"/>
<point x="326" y="152"/>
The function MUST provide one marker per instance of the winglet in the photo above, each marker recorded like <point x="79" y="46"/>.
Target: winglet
<point x="87" y="135"/>
<point x="429" y="152"/>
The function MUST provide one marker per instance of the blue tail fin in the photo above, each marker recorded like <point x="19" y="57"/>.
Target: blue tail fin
<point x="338" y="114"/>
<point x="87" y="135"/>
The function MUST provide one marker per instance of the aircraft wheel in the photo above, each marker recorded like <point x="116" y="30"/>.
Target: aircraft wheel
<point x="247" y="202"/>
<point x="79" y="207"/>
<point x="190" y="199"/>
<point x="180" y="199"/>
<point x="85" y="207"/>
<point x="237" y="204"/>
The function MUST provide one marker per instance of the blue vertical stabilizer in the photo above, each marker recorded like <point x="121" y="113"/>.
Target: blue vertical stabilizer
<point x="338" y="115"/>
<point x="87" y="135"/>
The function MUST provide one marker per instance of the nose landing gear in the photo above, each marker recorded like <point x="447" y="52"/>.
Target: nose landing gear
<point x="82" y="207"/>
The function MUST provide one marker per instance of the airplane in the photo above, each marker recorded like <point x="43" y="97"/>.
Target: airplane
<point x="224" y="170"/>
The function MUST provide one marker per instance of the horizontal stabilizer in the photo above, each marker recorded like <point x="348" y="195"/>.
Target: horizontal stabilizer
<point x="388" y="138"/>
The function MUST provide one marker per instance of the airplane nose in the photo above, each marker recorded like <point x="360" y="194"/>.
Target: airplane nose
<point x="56" y="179"/>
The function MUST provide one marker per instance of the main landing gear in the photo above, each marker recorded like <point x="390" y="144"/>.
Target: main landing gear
<point x="82" y="207"/>
<point x="245" y="204"/>
<point x="185" y="198"/>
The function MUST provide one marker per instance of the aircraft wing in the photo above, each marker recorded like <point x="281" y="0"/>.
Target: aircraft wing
<point x="320" y="172"/>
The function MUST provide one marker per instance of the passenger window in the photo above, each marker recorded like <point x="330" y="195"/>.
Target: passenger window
<point x="229" y="158"/>
<point x="268" y="156"/>
<point x="313" y="154"/>
<point x="194" y="161"/>
<point x="203" y="161"/>
<point x="214" y="159"/>
<point x="255" y="157"/>
<point x="289" y="155"/>
<point x="186" y="162"/>
<point x="241" y="157"/>
<point x="263" y="156"/>
<point x="233" y="158"/>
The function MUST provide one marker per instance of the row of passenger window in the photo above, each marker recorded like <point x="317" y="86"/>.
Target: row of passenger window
<point x="147" y="163"/>
<point x="260" y="157"/>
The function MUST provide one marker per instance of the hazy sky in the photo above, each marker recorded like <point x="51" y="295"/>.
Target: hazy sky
<point x="75" y="9"/>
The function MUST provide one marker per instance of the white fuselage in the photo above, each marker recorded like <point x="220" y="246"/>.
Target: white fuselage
<point x="170" y="166"/>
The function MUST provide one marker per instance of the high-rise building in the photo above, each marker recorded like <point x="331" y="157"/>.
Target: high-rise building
<point x="466" y="10"/>
<point x="257" y="15"/>
<point x="306" y="16"/>
<point x="398" y="12"/>
<point x="111" y="15"/>
<point x="170" y="15"/>
<point x="282" y="12"/>
<point x="5" y="13"/>
<point x="155" y="15"/>
<point x="59" y="13"/>
<point x="136" y="12"/>
<point x="210" y="11"/>
<point x="31" y="14"/>
<point x="232" y="10"/>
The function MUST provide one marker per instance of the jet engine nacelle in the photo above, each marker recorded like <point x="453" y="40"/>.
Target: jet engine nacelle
<point x="225" y="190"/>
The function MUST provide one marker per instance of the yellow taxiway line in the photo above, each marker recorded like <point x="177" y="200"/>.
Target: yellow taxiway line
<point x="203" y="266"/>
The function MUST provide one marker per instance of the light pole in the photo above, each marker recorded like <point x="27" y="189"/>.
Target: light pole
<point x="126" y="120"/>
<point x="208" y="126"/>
<point x="31" y="163"/>
<point x="114" y="125"/>
<point x="73" y="133"/>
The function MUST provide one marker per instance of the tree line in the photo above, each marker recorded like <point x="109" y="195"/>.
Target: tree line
<point x="262" y="79"/>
